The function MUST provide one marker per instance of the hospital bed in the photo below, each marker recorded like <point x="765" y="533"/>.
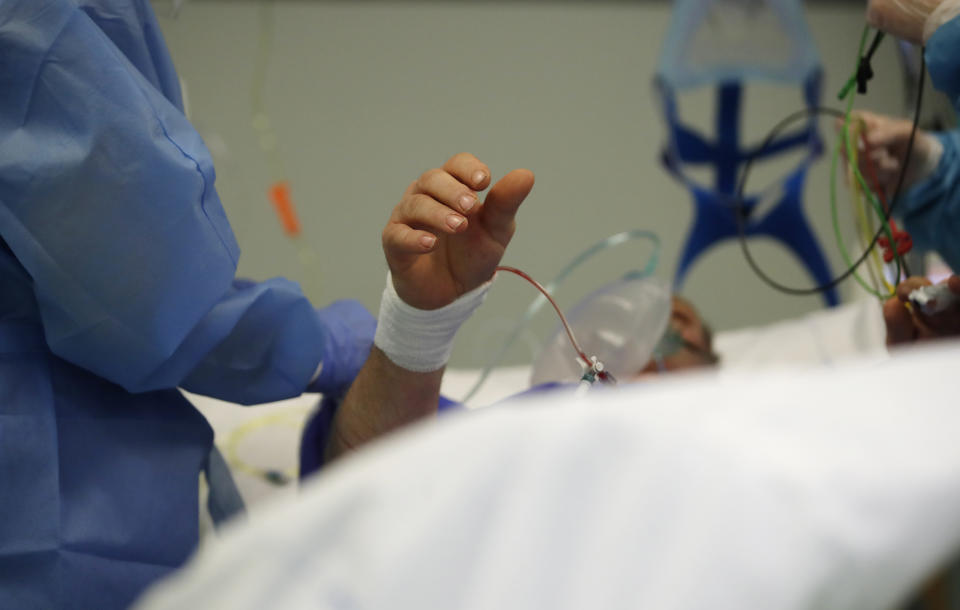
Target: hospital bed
<point x="800" y="486"/>
<point x="261" y="443"/>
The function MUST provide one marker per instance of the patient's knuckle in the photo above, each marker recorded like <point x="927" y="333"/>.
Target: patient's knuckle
<point x="419" y="205"/>
<point x="387" y="235"/>
<point x="428" y="178"/>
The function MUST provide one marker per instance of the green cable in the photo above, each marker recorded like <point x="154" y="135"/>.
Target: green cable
<point x="835" y="217"/>
<point x="833" y="176"/>
<point x="874" y="202"/>
<point x="881" y="213"/>
<point x="605" y="244"/>
<point x="849" y="90"/>
<point x="878" y="208"/>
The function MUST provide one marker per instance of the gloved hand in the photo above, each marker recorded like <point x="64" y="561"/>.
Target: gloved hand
<point x="888" y="138"/>
<point x="911" y="20"/>
<point x="910" y="325"/>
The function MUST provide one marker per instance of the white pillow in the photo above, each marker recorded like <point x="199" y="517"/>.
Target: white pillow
<point x="822" y="337"/>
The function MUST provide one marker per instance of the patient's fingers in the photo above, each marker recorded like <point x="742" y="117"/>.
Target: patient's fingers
<point x="469" y="170"/>
<point x="899" y="323"/>
<point x="909" y="285"/>
<point x="448" y="190"/>
<point x="415" y="224"/>
<point x="400" y="240"/>
<point x="905" y="324"/>
<point x="424" y="212"/>
<point x="947" y="322"/>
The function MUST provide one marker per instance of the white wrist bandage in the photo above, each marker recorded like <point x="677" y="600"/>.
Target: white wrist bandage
<point x="421" y="340"/>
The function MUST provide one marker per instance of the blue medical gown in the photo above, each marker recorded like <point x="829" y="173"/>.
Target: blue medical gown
<point x="931" y="208"/>
<point x="117" y="268"/>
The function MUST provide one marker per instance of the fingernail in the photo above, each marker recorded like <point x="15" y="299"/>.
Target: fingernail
<point x="427" y="241"/>
<point x="467" y="202"/>
<point x="479" y="176"/>
<point x="454" y="221"/>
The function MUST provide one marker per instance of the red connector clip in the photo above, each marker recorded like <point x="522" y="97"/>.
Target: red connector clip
<point x="902" y="240"/>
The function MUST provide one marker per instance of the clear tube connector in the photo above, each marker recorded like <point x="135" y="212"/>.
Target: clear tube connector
<point x="595" y="371"/>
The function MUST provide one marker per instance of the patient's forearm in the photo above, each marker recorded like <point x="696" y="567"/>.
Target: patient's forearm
<point x="383" y="397"/>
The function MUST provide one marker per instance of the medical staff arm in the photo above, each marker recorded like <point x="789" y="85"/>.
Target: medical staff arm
<point x="442" y="246"/>
<point x="107" y="200"/>
<point x="931" y="208"/>
<point x="930" y="202"/>
<point x="274" y="345"/>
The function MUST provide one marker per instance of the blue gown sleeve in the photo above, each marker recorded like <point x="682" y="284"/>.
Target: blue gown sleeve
<point x="943" y="62"/>
<point x="132" y="27"/>
<point x="931" y="208"/>
<point x="107" y="200"/>
<point x="263" y="342"/>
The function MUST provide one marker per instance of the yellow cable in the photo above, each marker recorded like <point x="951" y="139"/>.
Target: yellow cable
<point x="856" y="200"/>
<point x="862" y="217"/>
<point x="241" y="432"/>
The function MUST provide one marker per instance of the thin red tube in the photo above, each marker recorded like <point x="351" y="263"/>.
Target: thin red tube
<point x="901" y="247"/>
<point x="576" y="346"/>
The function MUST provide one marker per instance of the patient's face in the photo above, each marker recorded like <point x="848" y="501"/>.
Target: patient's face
<point x="697" y="348"/>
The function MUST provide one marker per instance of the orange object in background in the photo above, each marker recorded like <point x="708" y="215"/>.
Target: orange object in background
<point x="286" y="212"/>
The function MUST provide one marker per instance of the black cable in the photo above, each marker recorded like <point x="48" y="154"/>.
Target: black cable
<point x="741" y="212"/>
<point x="864" y="71"/>
<point x="864" y="68"/>
<point x="877" y="39"/>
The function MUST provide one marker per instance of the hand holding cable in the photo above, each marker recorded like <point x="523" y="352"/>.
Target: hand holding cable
<point x="887" y="138"/>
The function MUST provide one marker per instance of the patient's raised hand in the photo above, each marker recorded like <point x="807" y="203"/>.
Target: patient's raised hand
<point x="441" y="242"/>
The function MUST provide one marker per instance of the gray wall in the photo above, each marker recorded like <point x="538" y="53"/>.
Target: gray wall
<point x="364" y="96"/>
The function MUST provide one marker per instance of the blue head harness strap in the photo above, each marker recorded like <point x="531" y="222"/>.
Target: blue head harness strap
<point x="716" y="208"/>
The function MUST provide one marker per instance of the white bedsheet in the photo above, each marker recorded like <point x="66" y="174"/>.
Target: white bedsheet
<point x="834" y="487"/>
